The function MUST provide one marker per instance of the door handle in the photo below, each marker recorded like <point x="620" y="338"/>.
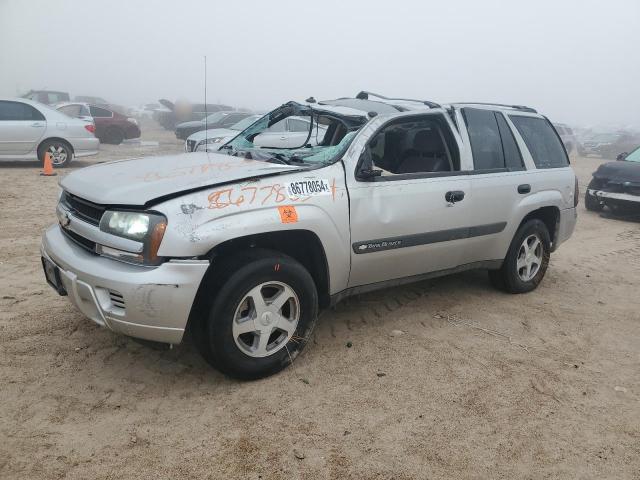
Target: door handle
<point x="283" y="138"/>
<point x="524" y="188"/>
<point x="454" y="196"/>
<point x="37" y="124"/>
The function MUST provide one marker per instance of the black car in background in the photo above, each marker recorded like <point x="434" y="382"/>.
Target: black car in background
<point x="174" y="113"/>
<point x="215" y="120"/>
<point x="616" y="185"/>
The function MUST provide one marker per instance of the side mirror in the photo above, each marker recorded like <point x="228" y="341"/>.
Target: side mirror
<point x="366" y="170"/>
<point x="622" y="156"/>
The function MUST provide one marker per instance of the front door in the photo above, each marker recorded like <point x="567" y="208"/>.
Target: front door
<point x="21" y="127"/>
<point x="414" y="217"/>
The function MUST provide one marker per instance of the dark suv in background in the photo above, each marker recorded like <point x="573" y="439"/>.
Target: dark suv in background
<point x="48" y="97"/>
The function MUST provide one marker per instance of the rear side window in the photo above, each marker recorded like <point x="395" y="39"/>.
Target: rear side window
<point x="542" y="141"/>
<point x="512" y="155"/>
<point x="492" y="143"/>
<point x="100" y="112"/>
<point x="16" y="111"/>
<point x="71" y="110"/>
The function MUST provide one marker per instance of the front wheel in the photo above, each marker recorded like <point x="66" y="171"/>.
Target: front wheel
<point x="263" y="313"/>
<point x="527" y="259"/>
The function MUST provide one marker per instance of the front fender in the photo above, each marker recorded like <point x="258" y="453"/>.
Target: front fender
<point x="200" y="221"/>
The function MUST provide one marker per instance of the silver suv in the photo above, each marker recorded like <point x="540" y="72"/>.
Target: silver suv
<point x="244" y="246"/>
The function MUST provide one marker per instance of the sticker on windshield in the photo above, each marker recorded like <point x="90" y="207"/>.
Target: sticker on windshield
<point x="308" y="188"/>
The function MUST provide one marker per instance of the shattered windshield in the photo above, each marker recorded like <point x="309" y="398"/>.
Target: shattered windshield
<point x="296" y="134"/>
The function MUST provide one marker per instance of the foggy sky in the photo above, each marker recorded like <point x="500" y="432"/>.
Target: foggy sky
<point x="576" y="61"/>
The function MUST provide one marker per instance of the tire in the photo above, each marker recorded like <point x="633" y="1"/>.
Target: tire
<point x="244" y="279"/>
<point x="591" y="203"/>
<point x="61" y="152"/>
<point x="514" y="277"/>
<point x="114" y="136"/>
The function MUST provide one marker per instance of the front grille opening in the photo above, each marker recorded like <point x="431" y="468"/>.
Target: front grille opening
<point x="116" y="299"/>
<point x="80" y="240"/>
<point x="88" y="211"/>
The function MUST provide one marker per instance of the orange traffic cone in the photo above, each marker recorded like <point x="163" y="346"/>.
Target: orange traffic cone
<point x="48" y="166"/>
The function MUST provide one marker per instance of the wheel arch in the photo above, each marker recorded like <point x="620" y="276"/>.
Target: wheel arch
<point x="302" y="245"/>
<point x="550" y="216"/>
<point x="58" y="139"/>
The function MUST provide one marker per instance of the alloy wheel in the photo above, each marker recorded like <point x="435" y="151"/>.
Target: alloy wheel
<point x="529" y="259"/>
<point x="266" y="319"/>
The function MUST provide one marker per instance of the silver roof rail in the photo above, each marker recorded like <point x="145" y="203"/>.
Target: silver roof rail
<point x="364" y="95"/>
<point x="523" y="108"/>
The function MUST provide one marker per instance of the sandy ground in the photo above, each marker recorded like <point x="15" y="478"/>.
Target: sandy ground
<point x="480" y="385"/>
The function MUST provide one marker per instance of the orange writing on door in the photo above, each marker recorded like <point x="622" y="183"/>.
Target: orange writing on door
<point x="288" y="214"/>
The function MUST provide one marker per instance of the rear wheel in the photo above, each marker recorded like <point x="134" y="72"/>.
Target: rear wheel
<point x="527" y="260"/>
<point x="114" y="136"/>
<point x="60" y="152"/>
<point x="264" y="311"/>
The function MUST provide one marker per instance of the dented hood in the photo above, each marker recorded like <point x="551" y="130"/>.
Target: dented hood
<point x="139" y="181"/>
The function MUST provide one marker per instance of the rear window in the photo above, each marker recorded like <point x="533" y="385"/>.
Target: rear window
<point x="542" y="141"/>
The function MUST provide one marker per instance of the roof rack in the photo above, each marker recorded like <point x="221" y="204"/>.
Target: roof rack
<point x="523" y="108"/>
<point x="364" y="95"/>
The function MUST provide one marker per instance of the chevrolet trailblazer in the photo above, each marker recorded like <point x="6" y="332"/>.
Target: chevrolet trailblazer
<point x="244" y="246"/>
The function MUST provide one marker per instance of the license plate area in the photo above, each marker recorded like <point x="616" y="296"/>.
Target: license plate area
<point x="52" y="274"/>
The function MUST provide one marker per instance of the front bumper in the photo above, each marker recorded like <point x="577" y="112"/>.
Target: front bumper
<point x="152" y="303"/>
<point x="623" y="197"/>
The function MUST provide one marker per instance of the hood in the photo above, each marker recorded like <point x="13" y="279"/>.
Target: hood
<point x="213" y="133"/>
<point x="619" y="171"/>
<point x="139" y="181"/>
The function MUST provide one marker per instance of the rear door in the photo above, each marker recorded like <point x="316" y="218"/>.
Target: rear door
<point x="498" y="182"/>
<point x="21" y="127"/>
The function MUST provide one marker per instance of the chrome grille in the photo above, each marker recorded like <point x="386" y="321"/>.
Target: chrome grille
<point x="87" y="211"/>
<point x="80" y="240"/>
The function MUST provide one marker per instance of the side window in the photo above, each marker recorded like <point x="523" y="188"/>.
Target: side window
<point x="71" y="110"/>
<point x="542" y="141"/>
<point x="16" y="111"/>
<point x="297" y="125"/>
<point x="486" y="145"/>
<point x="100" y="112"/>
<point x="512" y="155"/>
<point x="414" y="145"/>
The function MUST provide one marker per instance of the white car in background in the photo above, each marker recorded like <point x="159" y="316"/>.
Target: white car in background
<point x="288" y="133"/>
<point x="214" y="138"/>
<point x="30" y="129"/>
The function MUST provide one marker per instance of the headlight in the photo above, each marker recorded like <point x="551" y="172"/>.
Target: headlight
<point x="214" y="140"/>
<point x="132" y="120"/>
<point x="147" y="228"/>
